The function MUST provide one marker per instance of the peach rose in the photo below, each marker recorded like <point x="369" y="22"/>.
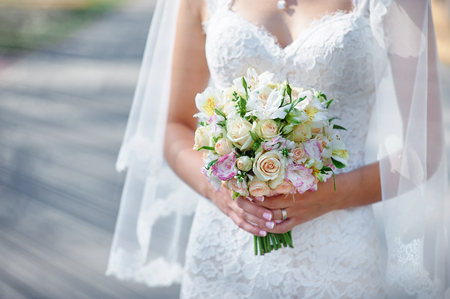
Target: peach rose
<point x="223" y="146"/>
<point x="258" y="188"/>
<point x="285" y="187"/>
<point x="298" y="153"/>
<point x="270" y="167"/>
<point x="238" y="187"/>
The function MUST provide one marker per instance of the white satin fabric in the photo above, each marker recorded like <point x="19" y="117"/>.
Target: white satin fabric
<point x="379" y="56"/>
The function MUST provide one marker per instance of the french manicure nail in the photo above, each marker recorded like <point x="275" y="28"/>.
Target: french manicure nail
<point x="267" y="216"/>
<point x="263" y="233"/>
<point x="249" y="198"/>
<point x="260" y="198"/>
<point x="270" y="224"/>
<point x="278" y="221"/>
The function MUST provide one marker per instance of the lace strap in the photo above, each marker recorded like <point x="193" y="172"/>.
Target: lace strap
<point x="361" y="6"/>
<point x="217" y="5"/>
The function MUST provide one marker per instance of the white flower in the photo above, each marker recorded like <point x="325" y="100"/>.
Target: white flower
<point x="254" y="81"/>
<point x="271" y="109"/>
<point x="207" y="101"/>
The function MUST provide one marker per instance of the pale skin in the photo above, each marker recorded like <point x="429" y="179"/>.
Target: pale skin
<point x="190" y="76"/>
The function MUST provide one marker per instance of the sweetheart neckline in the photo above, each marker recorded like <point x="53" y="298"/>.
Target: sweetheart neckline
<point x="315" y="25"/>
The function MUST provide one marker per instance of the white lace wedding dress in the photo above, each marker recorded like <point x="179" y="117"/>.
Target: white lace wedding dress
<point x="337" y="254"/>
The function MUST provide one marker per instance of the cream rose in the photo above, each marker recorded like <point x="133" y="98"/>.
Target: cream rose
<point x="244" y="163"/>
<point x="238" y="132"/>
<point x="258" y="188"/>
<point x="270" y="167"/>
<point x="202" y="138"/>
<point x="238" y="187"/>
<point x="285" y="187"/>
<point x="223" y="146"/>
<point x="267" y="129"/>
<point x="300" y="133"/>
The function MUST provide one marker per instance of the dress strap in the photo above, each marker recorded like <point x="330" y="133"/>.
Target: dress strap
<point x="217" y="5"/>
<point x="361" y="6"/>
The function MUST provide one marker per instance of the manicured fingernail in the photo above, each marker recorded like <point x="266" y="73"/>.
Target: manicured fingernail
<point x="270" y="224"/>
<point x="249" y="198"/>
<point x="260" y="198"/>
<point x="267" y="216"/>
<point x="278" y="221"/>
<point x="262" y="233"/>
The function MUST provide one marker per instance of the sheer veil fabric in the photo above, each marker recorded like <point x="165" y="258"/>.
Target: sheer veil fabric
<point x="411" y="152"/>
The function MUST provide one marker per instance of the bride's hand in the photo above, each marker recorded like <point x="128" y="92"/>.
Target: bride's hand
<point x="301" y="208"/>
<point x="355" y="188"/>
<point x="241" y="211"/>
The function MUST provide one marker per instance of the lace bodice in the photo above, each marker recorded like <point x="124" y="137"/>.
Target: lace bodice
<point x="336" y="255"/>
<point x="333" y="55"/>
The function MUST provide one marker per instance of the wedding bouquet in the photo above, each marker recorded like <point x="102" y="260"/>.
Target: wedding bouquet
<point x="261" y="138"/>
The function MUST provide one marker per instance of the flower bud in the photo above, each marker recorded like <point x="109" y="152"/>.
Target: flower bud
<point x="294" y="117"/>
<point x="287" y="129"/>
<point x="244" y="163"/>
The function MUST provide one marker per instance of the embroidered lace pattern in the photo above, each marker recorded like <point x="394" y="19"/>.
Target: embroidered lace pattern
<point x="335" y="255"/>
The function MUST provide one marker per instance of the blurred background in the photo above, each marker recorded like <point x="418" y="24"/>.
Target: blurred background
<point x="68" y="70"/>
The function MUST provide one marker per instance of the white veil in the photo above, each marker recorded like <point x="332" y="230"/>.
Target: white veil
<point x="154" y="200"/>
<point x="410" y="150"/>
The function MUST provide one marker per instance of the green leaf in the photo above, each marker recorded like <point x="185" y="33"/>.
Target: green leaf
<point x="325" y="169"/>
<point x="329" y="103"/>
<point x="244" y="83"/>
<point x="235" y="195"/>
<point x="210" y="148"/>
<point x="338" y="164"/>
<point x="337" y="127"/>
<point x="217" y="138"/>
<point x="210" y="164"/>
<point x="333" y="118"/>
<point x="222" y="123"/>
<point x="295" y="103"/>
<point x="219" y="112"/>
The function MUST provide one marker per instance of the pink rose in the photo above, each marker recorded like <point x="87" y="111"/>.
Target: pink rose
<point x="301" y="177"/>
<point x="285" y="187"/>
<point x="239" y="187"/>
<point x="312" y="149"/>
<point x="224" y="168"/>
<point x="258" y="188"/>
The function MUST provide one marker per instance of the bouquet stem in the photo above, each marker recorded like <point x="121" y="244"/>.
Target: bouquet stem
<point x="272" y="242"/>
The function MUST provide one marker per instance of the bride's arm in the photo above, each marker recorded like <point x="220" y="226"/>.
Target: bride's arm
<point x="190" y="76"/>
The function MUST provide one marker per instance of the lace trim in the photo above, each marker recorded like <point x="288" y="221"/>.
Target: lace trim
<point x="405" y="270"/>
<point x="157" y="273"/>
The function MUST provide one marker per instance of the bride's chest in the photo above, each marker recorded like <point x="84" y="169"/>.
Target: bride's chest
<point x="333" y="54"/>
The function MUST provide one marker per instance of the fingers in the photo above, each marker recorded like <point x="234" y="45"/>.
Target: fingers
<point x="277" y="202"/>
<point x="254" y="213"/>
<point x="284" y="226"/>
<point x="243" y="224"/>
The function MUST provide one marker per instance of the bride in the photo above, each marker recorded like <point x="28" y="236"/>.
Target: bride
<point x="377" y="59"/>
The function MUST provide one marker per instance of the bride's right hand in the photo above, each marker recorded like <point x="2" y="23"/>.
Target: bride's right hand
<point x="242" y="212"/>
